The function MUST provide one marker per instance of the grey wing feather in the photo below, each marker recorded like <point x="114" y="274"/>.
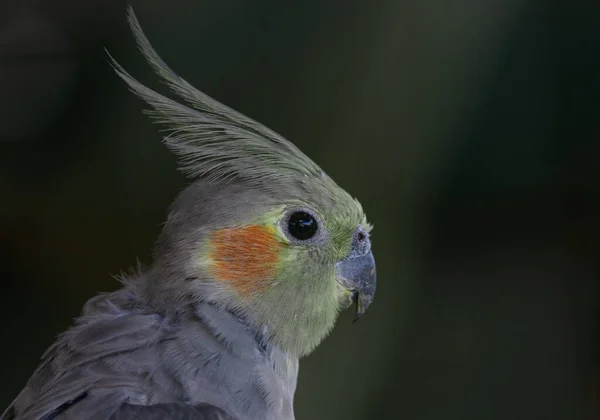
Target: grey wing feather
<point x="170" y="411"/>
<point x="167" y="411"/>
<point x="84" y="371"/>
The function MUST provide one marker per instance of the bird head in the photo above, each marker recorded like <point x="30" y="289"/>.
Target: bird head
<point x="261" y="230"/>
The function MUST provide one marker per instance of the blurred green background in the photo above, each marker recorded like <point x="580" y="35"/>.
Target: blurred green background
<point x="469" y="129"/>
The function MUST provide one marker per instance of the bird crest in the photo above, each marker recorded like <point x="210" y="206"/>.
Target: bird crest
<point x="213" y="141"/>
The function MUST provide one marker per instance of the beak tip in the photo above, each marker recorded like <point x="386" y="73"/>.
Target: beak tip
<point x="358" y="274"/>
<point x="362" y="304"/>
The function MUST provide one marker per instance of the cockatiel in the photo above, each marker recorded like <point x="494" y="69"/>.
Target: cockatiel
<point x="256" y="259"/>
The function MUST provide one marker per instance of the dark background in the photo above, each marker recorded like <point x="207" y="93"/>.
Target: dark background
<point x="469" y="129"/>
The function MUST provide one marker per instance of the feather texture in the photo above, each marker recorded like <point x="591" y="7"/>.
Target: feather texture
<point x="170" y="411"/>
<point x="123" y="361"/>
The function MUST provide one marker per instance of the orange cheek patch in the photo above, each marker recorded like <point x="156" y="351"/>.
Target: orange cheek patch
<point x="246" y="257"/>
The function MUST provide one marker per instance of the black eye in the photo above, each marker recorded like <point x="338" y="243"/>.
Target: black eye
<point x="302" y="225"/>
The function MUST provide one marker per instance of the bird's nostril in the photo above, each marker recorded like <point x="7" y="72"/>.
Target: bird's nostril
<point x="361" y="236"/>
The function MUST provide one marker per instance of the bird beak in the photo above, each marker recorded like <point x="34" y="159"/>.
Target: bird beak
<point x="357" y="273"/>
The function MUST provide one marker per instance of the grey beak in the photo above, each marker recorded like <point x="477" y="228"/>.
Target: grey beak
<point x="357" y="273"/>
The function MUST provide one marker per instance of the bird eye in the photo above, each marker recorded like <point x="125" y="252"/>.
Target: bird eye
<point x="302" y="225"/>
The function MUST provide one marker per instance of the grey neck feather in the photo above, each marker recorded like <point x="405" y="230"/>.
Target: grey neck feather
<point x="212" y="355"/>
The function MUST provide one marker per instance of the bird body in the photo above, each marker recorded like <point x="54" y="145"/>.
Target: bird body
<point x="196" y="354"/>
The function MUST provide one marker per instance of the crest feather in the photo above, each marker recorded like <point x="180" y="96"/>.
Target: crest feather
<point x="212" y="140"/>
